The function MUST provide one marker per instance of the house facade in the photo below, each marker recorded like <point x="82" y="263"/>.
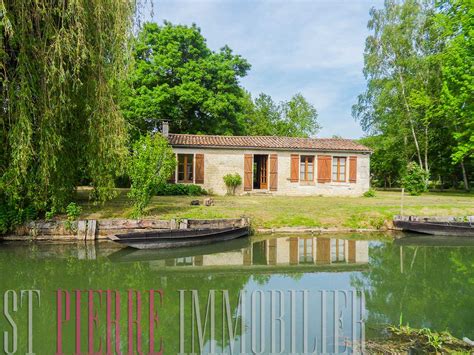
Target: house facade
<point x="277" y="165"/>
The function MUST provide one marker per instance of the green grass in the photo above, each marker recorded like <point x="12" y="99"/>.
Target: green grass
<point x="285" y="211"/>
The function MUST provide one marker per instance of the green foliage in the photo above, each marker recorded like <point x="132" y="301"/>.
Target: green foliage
<point x="179" y="190"/>
<point x="232" y="181"/>
<point x="418" y="105"/>
<point x="178" y="78"/>
<point x="293" y="118"/>
<point x="386" y="162"/>
<point x="456" y="21"/>
<point x="415" y="179"/>
<point x="369" y="193"/>
<point x="73" y="211"/>
<point x="50" y="214"/>
<point x="151" y="162"/>
<point x="11" y="216"/>
<point x="60" y="63"/>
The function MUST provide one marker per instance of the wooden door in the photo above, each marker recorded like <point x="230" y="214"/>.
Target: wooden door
<point x="264" y="172"/>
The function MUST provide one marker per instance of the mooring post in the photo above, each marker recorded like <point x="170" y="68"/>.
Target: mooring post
<point x="81" y="230"/>
<point x="91" y="229"/>
<point x="401" y="202"/>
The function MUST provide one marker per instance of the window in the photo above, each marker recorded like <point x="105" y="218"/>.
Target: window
<point x="185" y="168"/>
<point x="337" y="250"/>
<point x="339" y="169"/>
<point x="306" y="168"/>
<point x="305" y="250"/>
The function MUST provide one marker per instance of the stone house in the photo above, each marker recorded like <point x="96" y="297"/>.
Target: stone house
<point x="277" y="165"/>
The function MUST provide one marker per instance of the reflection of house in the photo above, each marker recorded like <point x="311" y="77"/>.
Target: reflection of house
<point x="286" y="251"/>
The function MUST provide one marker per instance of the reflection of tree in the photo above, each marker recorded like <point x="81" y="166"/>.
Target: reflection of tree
<point x="433" y="287"/>
<point x="23" y="268"/>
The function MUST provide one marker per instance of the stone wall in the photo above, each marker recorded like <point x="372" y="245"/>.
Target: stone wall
<point x="219" y="162"/>
<point x="100" y="229"/>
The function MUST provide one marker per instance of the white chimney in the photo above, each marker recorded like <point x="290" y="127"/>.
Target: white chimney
<point x="165" y="128"/>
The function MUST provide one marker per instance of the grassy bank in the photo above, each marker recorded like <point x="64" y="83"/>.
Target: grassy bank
<point x="404" y="339"/>
<point x="282" y="211"/>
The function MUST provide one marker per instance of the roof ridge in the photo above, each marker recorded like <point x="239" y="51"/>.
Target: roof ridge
<point x="247" y="136"/>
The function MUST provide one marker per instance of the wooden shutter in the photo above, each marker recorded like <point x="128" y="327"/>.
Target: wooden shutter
<point x="352" y="251"/>
<point x="248" y="172"/>
<point x="293" y="250"/>
<point x="199" y="174"/>
<point x="353" y="169"/>
<point x="295" y="162"/>
<point x="172" y="178"/>
<point x="273" y="172"/>
<point x="323" y="251"/>
<point x="324" y="168"/>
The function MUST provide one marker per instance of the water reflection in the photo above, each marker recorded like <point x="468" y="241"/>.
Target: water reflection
<point x="424" y="284"/>
<point x="264" y="252"/>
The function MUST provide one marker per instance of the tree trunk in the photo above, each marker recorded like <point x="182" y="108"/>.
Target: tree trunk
<point x="464" y="176"/>
<point x="407" y="107"/>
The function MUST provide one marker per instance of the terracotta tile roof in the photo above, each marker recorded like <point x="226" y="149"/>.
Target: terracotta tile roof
<point x="266" y="142"/>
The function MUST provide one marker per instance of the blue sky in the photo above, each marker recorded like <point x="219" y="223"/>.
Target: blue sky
<point x="310" y="46"/>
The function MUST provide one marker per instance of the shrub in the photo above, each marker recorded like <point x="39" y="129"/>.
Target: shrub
<point x="152" y="161"/>
<point x="73" y="211"/>
<point x="164" y="189"/>
<point x="11" y="215"/>
<point x="415" y="179"/>
<point x="369" y="193"/>
<point x="232" y="181"/>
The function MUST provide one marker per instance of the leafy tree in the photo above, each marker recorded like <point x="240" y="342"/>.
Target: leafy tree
<point x="299" y="118"/>
<point x="263" y="117"/>
<point x="59" y="66"/>
<point x="386" y="162"/>
<point x="418" y="101"/>
<point x="401" y="76"/>
<point x="178" y="78"/>
<point x="152" y="161"/>
<point x="293" y="118"/>
<point x="456" y="19"/>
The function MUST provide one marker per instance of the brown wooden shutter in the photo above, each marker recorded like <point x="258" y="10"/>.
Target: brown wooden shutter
<point x="352" y="251"/>
<point x="172" y="178"/>
<point x="323" y="251"/>
<point x="273" y="172"/>
<point x="293" y="250"/>
<point x="295" y="162"/>
<point x="199" y="174"/>
<point x="248" y="172"/>
<point x="324" y="168"/>
<point x="353" y="169"/>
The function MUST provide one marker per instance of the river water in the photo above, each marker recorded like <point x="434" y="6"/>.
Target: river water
<point x="265" y="294"/>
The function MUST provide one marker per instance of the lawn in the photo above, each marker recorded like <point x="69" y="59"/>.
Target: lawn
<point x="285" y="211"/>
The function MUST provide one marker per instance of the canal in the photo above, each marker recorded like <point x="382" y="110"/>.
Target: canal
<point x="265" y="294"/>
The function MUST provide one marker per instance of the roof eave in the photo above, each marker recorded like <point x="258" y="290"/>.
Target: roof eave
<point x="271" y="148"/>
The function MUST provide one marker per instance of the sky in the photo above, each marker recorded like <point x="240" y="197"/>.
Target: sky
<point x="312" y="47"/>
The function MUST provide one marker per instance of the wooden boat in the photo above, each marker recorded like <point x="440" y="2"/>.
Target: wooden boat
<point x="177" y="238"/>
<point x="133" y="255"/>
<point x="452" y="226"/>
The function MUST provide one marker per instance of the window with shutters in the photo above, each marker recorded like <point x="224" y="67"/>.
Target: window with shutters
<point x="339" y="169"/>
<point x="307" y="168"/>
<point x="185" y="168"/>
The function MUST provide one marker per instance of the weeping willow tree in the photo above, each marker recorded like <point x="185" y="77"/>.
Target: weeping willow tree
<point x="60" y="65"/>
